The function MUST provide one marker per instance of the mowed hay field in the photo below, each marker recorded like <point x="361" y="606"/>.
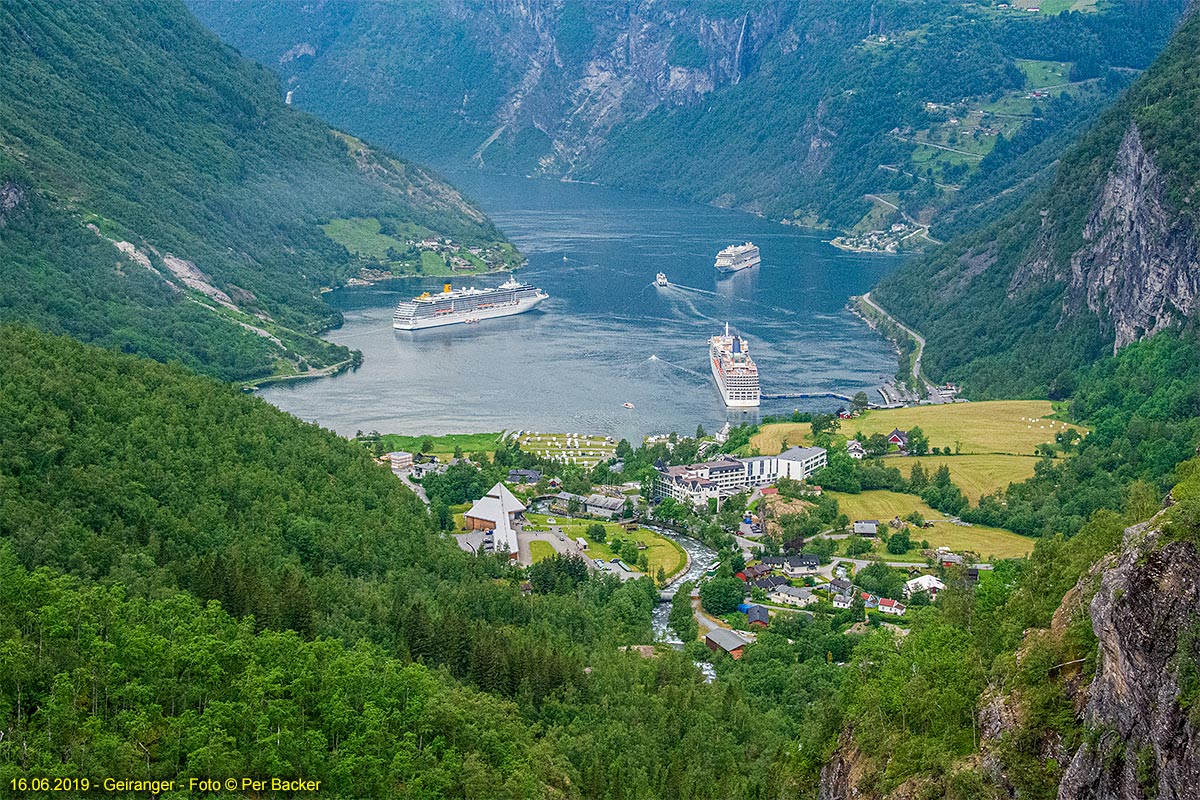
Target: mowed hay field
<point x="975" y="475"/>
<point x="884" y="505"/>
<point x="998" y="426"/>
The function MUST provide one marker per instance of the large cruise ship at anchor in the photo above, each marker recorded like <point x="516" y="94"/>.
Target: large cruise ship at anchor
<point x="734" y="371"/>
<point x="466" y="305"/>
<point x="738" y="257"/>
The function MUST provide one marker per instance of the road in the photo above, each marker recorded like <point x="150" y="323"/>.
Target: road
<point x="918" y="338"/>
<point x="924" y="229"/>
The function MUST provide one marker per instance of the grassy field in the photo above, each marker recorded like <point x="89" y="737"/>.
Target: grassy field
<point x="660" y="551"/>
<point x="364" y="237"/>
<point x="539" y="550"/>
<point x="1039" y="74"/>
<point x="574" y="448"/>
<point x="975" y="475"/>
<point x="443" y="445"/>
<point x="883" y="506"/>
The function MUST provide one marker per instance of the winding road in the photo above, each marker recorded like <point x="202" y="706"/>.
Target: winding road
<point x="918" y="338"/>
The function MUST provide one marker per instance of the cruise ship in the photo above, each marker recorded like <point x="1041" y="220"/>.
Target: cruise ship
<point x="466" y="305"/>
<point x="733" y="370"/>
<point x="738" y="257"/>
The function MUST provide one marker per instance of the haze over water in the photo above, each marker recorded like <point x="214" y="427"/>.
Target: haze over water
<point x="607" y="335"/>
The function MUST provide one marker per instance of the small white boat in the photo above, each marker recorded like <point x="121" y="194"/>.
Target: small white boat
<point x="628" y="405"/>
<point x="660" y="279"/>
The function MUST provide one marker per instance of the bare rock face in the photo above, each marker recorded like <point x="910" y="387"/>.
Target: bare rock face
<point x="1138" y="270"/>
<point x="11" y="196"/>
<point x="1140" y="265"/>
<point x="1140" y="742"/>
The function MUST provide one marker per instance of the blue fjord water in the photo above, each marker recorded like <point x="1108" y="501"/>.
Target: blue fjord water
<point x="607" y="335"/>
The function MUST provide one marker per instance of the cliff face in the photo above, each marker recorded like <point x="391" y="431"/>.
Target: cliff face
<point x="1140" y="265"/>
<point x="1141" y="742"/>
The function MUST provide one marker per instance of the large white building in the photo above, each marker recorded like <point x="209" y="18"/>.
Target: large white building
<point x="497" y="512"/>
<point x="696" y="483"/>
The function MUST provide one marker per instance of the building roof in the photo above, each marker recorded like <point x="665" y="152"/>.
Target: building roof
<point x="795" y="591"/>
<point x="758" y="614"/>
<point x="801" y="453"/>
<point x="725" y="639"/>
<point x="803" y="561"/>
<point x="925" y="583"/>
<point x="399" y="454"/>
<point x="840" y="585"/>
<point x="769" y="583"/>
<point x="887" y="602"/>
<point x="497" y="503"/>
<point x="605" y="502"/>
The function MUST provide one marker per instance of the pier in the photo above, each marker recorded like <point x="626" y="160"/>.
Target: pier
<point x="805" y="396"/>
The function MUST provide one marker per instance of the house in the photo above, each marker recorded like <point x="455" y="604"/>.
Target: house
<point x="843" y="601"/>
<point x="524" y="476"/>
<point x="757" y="615"/>
<point x="866" y="527"/>
<point x="428" y="468"/>
<point x="972" y="576"/>
<point x="730" y="642"/>
<point x="798" y="596"/>
<point x="400" y="459"/>
<point x="889" y="606"/>
<point x="769" y="584"/>
<point x="869" y="600"/>
<point x="841" y="586"/>
<point x="497" y="511"/>
<point x="950" y="559"/>
<point x="775" y="562"/>
<point x="898" y="438"/>
<point x="757" y="571"/>
<point x="599" y="505"/>
<point x="925" y="583"/>
<point x="799" y="566"/>
<point x="855" y="449"/>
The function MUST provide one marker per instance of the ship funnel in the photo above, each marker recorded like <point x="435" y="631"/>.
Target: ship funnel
<point x="446" y="289"/>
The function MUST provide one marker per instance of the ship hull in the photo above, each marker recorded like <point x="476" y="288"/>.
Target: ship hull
<point x="474" y="315"/>
<point x="739" y="267"/>
<point x="730" y="402"/>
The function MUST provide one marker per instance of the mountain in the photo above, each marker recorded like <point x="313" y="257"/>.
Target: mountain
<point x="796" y="110"/>
<point x="157" y="196"/>
<point x="1106" y="255"/>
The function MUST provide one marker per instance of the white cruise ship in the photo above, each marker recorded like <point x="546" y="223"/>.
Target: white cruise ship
<point x="466" y="305"/>
<point x="733" y="370"/>
<point x="738" y="257"/>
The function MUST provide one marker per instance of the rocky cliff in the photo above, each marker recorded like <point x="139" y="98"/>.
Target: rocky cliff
<point x="1142" y="735"/>
<point x="1138" y="269"/>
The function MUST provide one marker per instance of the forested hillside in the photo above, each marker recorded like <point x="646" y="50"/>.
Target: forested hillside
<point x="797" y="110"/>
<point x="1104" y="256"/>
<point x="157" y="196"/>
<point x="380" y="658"/>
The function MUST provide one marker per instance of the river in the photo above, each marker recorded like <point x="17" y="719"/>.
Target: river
<point x="607" y="336"/>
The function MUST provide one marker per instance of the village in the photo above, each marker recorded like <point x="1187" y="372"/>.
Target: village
<point x="765" y="526"/>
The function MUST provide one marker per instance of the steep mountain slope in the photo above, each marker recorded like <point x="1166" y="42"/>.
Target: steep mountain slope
<point x="1106" y="255"/>
<point x="157" y="196"/>
<point x="792" y="109"/>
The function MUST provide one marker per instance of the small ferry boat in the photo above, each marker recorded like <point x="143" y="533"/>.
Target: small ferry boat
<point x="660" y="279"/>
<point x="628" y="405"/>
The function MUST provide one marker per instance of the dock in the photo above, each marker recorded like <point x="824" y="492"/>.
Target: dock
<point x="806" y="396"/>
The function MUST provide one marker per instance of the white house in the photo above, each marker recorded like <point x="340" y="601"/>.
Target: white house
<point x="855" y="449"/>
<point x="800" y="566"/>
<point x="793" y="596"/>
<point x="843" y="601"/>
<point x="924" y="583"/>
<point x="889" y="606"/>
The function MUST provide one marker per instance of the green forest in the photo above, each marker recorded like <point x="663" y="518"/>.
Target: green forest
<point x="129" y="122"/>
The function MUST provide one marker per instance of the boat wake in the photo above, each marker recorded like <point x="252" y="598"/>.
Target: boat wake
<point x="679" y="367"/>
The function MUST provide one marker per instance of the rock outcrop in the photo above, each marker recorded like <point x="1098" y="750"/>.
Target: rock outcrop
<point x="11" y="196"/>
<point x="1141" y="740"/>
<point x="1140" y="265"/>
